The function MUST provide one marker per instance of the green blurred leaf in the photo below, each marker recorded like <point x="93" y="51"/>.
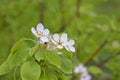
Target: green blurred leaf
<point x="66" y="65"/>
<point x="34" y="49"/>
<point x="17" y="45"/>
<point x="94" y="70"/>
<point x="66" y="53"/>
<point x="40" y="55"/>
<point x="48" y="75"/>
<point x="13" y="60"/>
<point x="53" y="58"/>
<point x="19" y="55"/>
<point x="51" y="76"/>
<point x="30" y="71"/>
<point x="5" y="68"/>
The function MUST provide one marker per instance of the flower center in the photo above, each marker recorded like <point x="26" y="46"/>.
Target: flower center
<point x="59" y="43"/>
<point x="40" y="33"/>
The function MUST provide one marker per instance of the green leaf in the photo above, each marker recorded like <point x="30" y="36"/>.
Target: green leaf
<point x="53" y="58"/>
<point x="40" y="55"/>
<point x="15" y="58"/>
<point x="17" y="45"/>
<point x="94" y="70"/>
<point x="4" y="68"/>
<point x="48" y="75"/>
<point x="51" y="76"/>
<point x="66" y="53"/>
<point x="43" y="76"/>
<point x="19" y="55"/>
<point x="30" y="71"/>
<point x="62" y="77"/>
<point x="66" y="65"/>
<point x="34" y="49"/>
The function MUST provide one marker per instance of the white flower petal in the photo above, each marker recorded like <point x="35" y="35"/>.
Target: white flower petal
<point x="40" y="27"/>
<point x="54" y="42"/>
<point x="59" y="46"/>
<point x="44" y="39"/>
<point x="67" y="48"/>
<point x="34" y="31"/>
<point x="63" y="37"/>
<point x="56" y="37"/>
<point x="72" y="49"/>
<point x="46" y="32"/>
<point x="71" y="42"/>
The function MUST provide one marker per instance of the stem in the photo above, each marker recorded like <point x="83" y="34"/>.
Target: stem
<point x="96" y="52"/>
<point x="107" y="59"/>
<point x="74" y="77"/>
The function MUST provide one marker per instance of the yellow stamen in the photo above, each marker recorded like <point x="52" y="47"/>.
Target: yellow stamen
<point x="40" y="33"/>
<point x="59" y="43"/>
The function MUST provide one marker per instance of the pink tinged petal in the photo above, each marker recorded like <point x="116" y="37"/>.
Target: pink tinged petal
<point x="71" y="48"/>
<point x="86" y="76"/>
<point x="76" y="70"/>
<point x="40" y="27"/>
<point x="82" y="68"/>
<point x="63" y="37"/>
<point x="46" y="32"/>
<point x="59" y="46"/>
<point x="56" y="37"/>
<point x="44" y="39"/>
<point x="71" y="42"/>
<point x="34" y="31"/>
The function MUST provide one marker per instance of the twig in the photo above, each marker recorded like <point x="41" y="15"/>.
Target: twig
<point x="64" y="22"/>
<point x="74" y="77"/>
<point x="107" y="59"/>
<point x="42" y="7"/>
<point x="78" y="52"/>
<point x="79" y="47"/>
<point x="96" y="52"/>
<point x="78" y="8"/>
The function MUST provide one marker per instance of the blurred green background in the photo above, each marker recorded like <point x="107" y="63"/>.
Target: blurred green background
<point x="94" y="24"/>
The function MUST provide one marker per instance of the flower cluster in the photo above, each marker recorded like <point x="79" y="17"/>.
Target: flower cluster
<point x="82" y="70"/>
<point x="54" y="41"/>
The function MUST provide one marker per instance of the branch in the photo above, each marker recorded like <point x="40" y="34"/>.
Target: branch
<point x="96" y="52"/>
<point x="74" y="77"/>
<point x="64" y="22"/>
<point x="79" y="47"/>
<point x="78" y="52"/>
<point x="78" y="8"/>
<point x="107" y="59"/>
<point x="42" y="7"/>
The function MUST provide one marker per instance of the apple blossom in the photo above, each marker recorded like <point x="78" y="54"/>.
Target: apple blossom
<point x="41" y="33"/>
<point x="85" y="76"/>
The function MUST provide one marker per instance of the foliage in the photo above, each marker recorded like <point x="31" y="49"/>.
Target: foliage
<point x="90" y="24"/>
